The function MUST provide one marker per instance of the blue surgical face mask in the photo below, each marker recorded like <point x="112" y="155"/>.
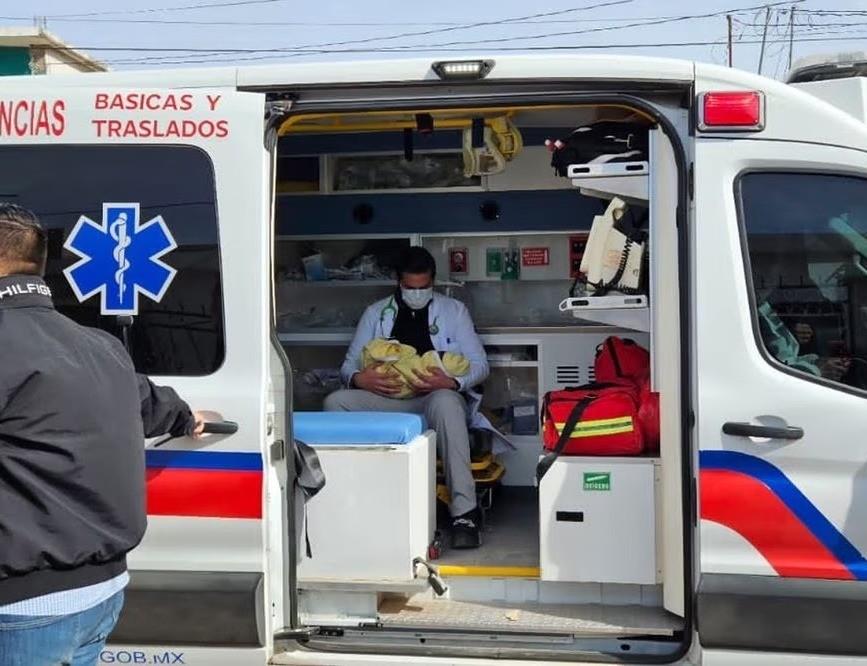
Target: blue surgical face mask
<point x="416" y="299"/>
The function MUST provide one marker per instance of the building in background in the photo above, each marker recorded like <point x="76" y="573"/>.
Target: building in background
<point x="36" y="51"/>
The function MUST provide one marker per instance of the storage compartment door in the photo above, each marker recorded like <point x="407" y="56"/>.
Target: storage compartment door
<point x="665" y="340"/>
<point x="597" y="521"/>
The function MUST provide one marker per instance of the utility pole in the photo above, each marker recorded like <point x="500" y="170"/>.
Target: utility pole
<point x="791" y="33"/>
<point x="764" y="38"/>
<point x="729" y="19"/>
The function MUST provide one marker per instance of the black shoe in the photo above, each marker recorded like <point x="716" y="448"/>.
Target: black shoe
<point x="466" y="532"/>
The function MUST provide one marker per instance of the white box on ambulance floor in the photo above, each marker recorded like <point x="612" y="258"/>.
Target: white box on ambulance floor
<point x="376" y="512"/>
<point x="597" y="520"/>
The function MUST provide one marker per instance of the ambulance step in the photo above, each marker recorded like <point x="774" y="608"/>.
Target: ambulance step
<point x="362" y="585"/>
<point x="585" y="620"/>
<point x="349" y="603"/>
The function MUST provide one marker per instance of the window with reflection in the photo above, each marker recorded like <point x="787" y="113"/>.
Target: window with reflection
<point x="806" y="239"/>
<point x="182" y="334"/>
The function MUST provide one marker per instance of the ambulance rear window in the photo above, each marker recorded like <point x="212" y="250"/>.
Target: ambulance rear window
<point x="147" y="245"/>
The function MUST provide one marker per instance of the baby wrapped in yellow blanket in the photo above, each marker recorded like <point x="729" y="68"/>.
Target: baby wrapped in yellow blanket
<point x="403" y="361"/>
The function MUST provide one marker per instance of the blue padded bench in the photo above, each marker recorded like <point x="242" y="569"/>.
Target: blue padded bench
<point x="357" y="428"/>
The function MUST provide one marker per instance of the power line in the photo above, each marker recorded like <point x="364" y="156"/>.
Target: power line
<point x="93" y="17"/>
<point x="265" y="54"/>
<point x="339" y="24"/>
<point x="176" y="8"/>
<point x="835" y="12"/>
<point x="465" y="26"/>
<point x="808" y="24"/>
<point x="301" y="50"/>
<point x="450" y="28"/>
<point x="640" y="24"/>
<point x="479" y="24"/>
<point x="320" y="24"/>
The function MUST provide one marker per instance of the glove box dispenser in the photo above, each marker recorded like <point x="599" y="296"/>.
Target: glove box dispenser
<point x="597" y="520"/>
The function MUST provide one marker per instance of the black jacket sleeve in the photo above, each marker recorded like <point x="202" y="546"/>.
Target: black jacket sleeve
<point x="163" y="411"/>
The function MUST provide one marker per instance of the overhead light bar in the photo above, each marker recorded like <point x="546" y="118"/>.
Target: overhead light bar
<point x="462" y="70"/>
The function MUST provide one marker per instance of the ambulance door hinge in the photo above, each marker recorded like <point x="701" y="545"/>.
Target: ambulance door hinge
<point x="693" y="502"/>
<point x="298" y="634"/>
<point x="278" y="450"/>
<point x="691" y="181"/>
<point x="278" y="105"/>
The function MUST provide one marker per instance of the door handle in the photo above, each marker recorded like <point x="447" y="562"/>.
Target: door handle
<point x="219" y="427"/>
<point x="208" y="427"/>
<point x="770" y="432"/>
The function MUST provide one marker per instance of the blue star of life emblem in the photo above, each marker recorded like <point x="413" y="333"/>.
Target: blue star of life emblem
<point x="119" y="258"/>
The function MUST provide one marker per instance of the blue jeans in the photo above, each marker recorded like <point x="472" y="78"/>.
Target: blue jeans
<point x="62" y="640"/>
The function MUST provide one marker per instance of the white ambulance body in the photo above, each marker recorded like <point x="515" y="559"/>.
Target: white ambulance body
<point x="756" y="517"/>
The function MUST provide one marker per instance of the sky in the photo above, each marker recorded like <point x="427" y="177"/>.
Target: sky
<point x="125" y="34"/>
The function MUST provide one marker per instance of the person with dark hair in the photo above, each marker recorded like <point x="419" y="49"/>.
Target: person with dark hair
<point x="416" y="315"/>
<point x="23" y="243"/>
<point x="73" y="418"/>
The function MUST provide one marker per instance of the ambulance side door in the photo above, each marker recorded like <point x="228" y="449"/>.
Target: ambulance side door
<point x="781" y="379"/>
<point x="156" y="206"/>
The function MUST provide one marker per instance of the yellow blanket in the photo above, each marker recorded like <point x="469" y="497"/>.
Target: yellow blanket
<point x="404" y="362"/>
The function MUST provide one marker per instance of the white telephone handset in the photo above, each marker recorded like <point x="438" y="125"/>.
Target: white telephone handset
<point x="611" y="260"/>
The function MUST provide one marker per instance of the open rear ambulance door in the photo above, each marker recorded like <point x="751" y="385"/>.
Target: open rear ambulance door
<point x="156" y="205"/>
<point x="781" y="293"/>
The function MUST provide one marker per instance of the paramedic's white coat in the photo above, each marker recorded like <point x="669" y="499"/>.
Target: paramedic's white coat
<point x="451" y="330"/>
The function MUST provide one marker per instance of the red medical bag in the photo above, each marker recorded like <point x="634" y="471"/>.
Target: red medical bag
<point x="617" y="416"/>
<point x="591" y="420"/>
<point x="648" y="416"/>
<point x="621" y="360"/>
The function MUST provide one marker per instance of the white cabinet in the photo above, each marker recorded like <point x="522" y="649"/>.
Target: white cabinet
<point x="374" y="515"/>
<point x="597" y="520"/>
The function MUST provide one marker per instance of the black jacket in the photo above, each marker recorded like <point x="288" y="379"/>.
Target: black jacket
<point x="73" y="413"/>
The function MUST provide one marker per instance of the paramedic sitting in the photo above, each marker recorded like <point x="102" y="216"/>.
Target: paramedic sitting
<point x="415" y="315"/>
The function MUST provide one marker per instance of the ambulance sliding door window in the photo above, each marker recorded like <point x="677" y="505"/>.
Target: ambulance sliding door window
<point x="180" y="333"/>
<point x="806" y="241"/>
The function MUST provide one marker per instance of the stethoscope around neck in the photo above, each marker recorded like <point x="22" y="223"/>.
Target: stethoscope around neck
<point x="390" y="310"/>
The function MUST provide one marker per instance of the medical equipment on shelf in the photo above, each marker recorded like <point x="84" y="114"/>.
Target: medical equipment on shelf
<point x="602" y="142"/>
<point x="614" y="257"/>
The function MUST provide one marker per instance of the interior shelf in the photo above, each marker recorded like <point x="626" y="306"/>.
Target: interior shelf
<point x="499" y="363"/>
<point x="321" y="336"/>
<point x="359" y="283"/>
<point x="626" y="180"/>
<point x="630" y="312"/>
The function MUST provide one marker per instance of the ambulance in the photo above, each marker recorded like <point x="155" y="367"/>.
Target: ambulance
<point x="231" y="224"/>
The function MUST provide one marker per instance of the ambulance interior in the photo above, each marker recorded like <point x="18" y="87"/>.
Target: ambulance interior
<point x="591" y="557"/>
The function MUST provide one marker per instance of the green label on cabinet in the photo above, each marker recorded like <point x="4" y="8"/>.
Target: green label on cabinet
<point x="597" y="480"/>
